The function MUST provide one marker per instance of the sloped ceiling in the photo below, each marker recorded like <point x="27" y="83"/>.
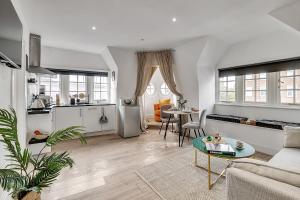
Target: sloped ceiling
<point x="122" y="23"/>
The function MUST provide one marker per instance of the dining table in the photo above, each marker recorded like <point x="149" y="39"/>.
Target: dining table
<point x="179" y="113"/>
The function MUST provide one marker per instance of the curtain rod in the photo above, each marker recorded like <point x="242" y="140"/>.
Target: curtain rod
<point x="151" y="51"/>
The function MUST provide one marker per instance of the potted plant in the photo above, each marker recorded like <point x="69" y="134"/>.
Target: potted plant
<point x="26" y="175"/>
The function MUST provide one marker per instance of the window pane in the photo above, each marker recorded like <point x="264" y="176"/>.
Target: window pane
<point x="297" y="82"/>
<point x="81" y="78"/>
<point x="262" y="75"/>
<point x="53" y="95"/>
<point x="261" y="84"/>
<point x="297" y="71"/>
<point x="55" y="86"/>
<point x="222" y="96"/>
<point x="249" y="96"/>
<point x="55" y="78"/>
<point x="287" y="73"/>
<point x="104" y="96"/>
<point x="73" y="94"/>
<point x="249" y="84"/>
<point x="231" y="86"/>
<point x="298" y="96"/>
<point x="261" y="96"/>
<point x="44" y="78"/>
<point x="223" y="86"/>
<point x="223" y="79"/>
<point x="73" y="86"/>
<point x="81" y="86"/>
<point x="231" y="96"/>
<point x="104" y="87"/>
<point x="73" y="78"/>
<point x="96" y="95"/>
<point x="97" y="87"/>
<point x="104" y="80"/>
<point x="97" y="79"/>
<point x="231" y="78"/>
<point x="286" y="83"/>
<point x="249" y="76"/>
<point x="287" y="96"/>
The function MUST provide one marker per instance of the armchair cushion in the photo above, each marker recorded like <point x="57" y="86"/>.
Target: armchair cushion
<point x="292" y="137"/>
<point x="288" y="175"/>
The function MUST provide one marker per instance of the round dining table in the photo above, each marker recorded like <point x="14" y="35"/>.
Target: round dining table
<point x="179" y="113"/>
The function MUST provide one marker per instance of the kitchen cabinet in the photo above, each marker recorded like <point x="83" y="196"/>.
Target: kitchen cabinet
<point x="110" y="112"/>
<point x="91" y="117"/>
<point x="87" y="116"/>
<point x="68" y="116"/>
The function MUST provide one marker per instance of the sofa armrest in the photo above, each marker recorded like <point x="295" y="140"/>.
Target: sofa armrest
<point x="245" y="185"/>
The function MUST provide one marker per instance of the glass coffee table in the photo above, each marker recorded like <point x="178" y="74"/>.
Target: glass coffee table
<point x="199" y="145"/>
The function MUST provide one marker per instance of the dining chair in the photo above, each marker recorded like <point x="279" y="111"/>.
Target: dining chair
<point x="164" y="117"/>
<point x="195" y="126"/>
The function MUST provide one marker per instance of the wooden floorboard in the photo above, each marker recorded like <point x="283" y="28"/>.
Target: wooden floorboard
<point x="105" y="167"/>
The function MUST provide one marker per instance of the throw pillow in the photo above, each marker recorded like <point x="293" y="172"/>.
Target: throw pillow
<point x="292" y="137"/>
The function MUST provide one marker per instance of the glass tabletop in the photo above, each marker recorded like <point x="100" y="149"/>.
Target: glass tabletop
<point x="244" y="153"/>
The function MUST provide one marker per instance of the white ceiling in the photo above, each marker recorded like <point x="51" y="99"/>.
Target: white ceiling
<point x="122" y="23"/>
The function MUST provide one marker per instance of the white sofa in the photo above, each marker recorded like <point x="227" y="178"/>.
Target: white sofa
<point x="278" y="179"/>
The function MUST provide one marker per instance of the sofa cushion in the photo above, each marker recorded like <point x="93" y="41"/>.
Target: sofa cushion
<point x="292" y="137"/>
<point x="289" y="175"/>
<point x="164" y="102"/>
<point x="287" y="157"/>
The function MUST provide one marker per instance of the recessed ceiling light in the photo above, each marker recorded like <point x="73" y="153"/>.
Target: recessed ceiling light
<point x="174" y="19"/>
<point x="94" y="28"/>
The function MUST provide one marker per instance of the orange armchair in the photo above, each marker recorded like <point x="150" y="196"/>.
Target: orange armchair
<point x="157" y="108"/>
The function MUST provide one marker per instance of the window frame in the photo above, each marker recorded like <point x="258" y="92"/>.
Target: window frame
<point x="50" y="85"/>
<point x="255" y="79"/>
<point x="235" y="89"/>
<point x="165" y="89"/>
<point x="100" y="91"/>
<point x="78" y="91"/>
<point x="151" y="89"/>
<point x="293" y="90"/>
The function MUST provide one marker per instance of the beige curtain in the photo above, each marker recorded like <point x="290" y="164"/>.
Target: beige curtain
<point x="165" y="61"/>
<point x="145" y="71"/>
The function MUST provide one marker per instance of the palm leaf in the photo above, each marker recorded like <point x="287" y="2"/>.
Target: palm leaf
<point x="66" y="134"/>
<point x="11" y="180"/>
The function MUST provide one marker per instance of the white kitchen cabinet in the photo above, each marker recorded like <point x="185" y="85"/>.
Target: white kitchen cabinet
<point x="110" y="113"/>
<point x="91" y="117"/>
<point x="68" y="116"/>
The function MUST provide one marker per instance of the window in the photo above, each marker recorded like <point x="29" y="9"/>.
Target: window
<point x="100" y="88"/>
<point x="150" y="89"/>
<point x="290" y="87"/>
<point x="77" y="86"/>
<point x="256" y="88"/>
<point x="164" y="89"/>
<point x="52" y="85"/>
<point x="227" y="89"/>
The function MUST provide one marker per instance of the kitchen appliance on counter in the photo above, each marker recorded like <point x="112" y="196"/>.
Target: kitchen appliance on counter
<point x="37" y="104"/>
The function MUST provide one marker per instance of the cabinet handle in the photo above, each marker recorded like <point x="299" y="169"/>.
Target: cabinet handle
<point x="80" y="112"/>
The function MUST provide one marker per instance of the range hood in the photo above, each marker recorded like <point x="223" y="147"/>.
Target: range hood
<point x="35" y="56"/>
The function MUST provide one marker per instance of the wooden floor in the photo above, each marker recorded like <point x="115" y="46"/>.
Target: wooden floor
<point x="104" y="167"/>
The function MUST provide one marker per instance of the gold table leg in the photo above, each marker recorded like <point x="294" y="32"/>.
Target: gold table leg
<point x="209" y="172"/>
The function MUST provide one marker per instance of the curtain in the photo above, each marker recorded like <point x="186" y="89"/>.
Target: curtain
<point x="165" y="61"/>
<point x="145" y="71"/>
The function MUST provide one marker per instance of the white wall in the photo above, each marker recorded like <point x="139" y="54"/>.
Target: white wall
<point x="18" y="92"/>
<point x="186" y="57"/>
<point x="64" y="58"/>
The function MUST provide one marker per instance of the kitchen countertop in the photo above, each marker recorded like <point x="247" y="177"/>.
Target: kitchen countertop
<point x="48" y="109"/>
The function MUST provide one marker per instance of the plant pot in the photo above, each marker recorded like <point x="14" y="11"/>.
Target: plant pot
<point x="32" y="196"/>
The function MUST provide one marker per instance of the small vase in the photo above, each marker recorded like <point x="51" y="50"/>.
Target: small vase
<point x="32" y="196"/>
